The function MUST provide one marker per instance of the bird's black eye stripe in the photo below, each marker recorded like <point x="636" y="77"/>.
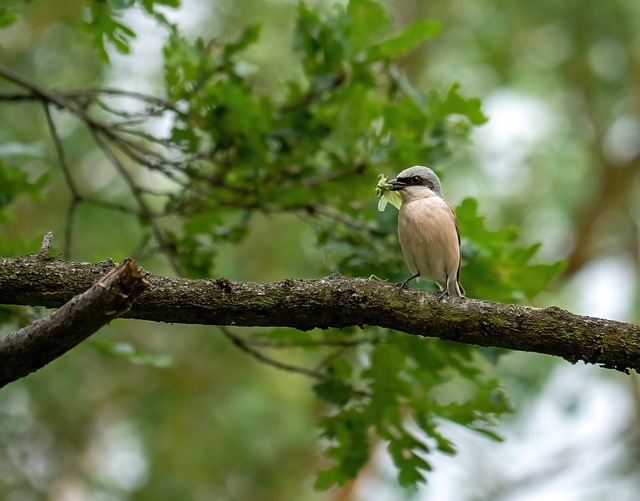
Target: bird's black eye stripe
<point x="417" y="181"/>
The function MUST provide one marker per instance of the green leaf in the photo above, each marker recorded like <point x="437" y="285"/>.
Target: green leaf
<point x="333" y="391"/>
<point x="406" y="40"/>
<point x="388" y="386"/>
<point x="404" y="451"/>
<point x="383" y="190"/>
<point x="132" y="354"/>
<point x="368" y="22"/>
<point x="149" y="5"/>
<point x="7" y="17"/>
<point x="349" y="447"/>
<point x="409" y="477"/>
<point x="454" y="103"/>
<point x="495" y="267"/>
<point x="478" y="413"/>
<point x="249" y="36"/>
<point x="15" y="182"/>
<point x="328" y="478"/>
<point x="107" y="30"/>
<point x="340" y="368"/>
<point x="322" y="44"/>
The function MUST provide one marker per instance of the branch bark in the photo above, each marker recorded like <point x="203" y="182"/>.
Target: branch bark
<point x="337" y="301"/>
<point x="34" y="346"/>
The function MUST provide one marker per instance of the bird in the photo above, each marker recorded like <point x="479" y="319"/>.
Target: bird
<point x="428" y="230"/>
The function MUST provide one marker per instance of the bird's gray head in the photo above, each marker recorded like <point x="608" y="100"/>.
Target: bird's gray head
<point x="417" y="182"/>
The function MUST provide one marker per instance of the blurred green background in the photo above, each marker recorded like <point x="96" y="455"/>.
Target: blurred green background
<point x="177" y="412"/>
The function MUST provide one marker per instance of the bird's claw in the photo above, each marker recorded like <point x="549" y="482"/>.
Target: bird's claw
<point x="403" y="285"/>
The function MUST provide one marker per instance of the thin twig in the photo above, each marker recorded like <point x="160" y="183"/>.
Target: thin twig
<point x="103" y="204"/>
<point x="149" y="158"/>
<point x="318" y="373"/>
<point x="23" y="82"/>
<point x="101" y="132"/>
<point x="68" y="227"/>
<point x="18" y="96"/>
<point x="156" y="101"/>
<point x="311" y="181"/>
<point x="63" y="101"/>
<point x="66" y="170"/>
<point x="344" y="218"/>
<point x="148" y="215"/>
<point x="123" y="127"/>
<point x="308" y="343"/>
<point x="62" y="157"/>
<point x="240" y="343"/>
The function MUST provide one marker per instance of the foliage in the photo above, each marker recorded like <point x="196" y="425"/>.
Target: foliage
<point x="233" y="153"/>
<point x="109" y="31"/>
<point x="409" y="384"/>
<point x="15" y="182"/>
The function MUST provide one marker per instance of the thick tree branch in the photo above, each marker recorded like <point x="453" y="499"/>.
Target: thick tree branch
<point x="337" y="301"/>
<point x="34" y="346"/>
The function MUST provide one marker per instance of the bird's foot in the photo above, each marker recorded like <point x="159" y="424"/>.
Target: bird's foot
<point x="441" y="294"/>
<point x="404" y="285"/>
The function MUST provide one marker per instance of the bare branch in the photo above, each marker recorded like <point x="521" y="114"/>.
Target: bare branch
<point x="343" y="218"/>
<point x="106" y="134"/>
<point x="34" y="346"/>
<point x="45" y="247"/>
<point x="241" y="343"/>
<point x="319" y="372"/>
<point x="308" y="343"/>
<point x="109" y="91"/>
<point x="144" y="208"/>
<point x="66" y="170"/>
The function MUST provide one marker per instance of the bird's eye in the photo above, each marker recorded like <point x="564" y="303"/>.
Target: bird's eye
<point x="415" y="180"/>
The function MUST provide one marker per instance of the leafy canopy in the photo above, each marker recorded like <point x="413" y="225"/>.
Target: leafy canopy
<point x="313" y="149"/>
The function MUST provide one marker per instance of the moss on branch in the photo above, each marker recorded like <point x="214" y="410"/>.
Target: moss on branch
<point x="336" y="301"/>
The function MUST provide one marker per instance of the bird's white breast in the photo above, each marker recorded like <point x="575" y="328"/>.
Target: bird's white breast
<point x="429" y="238"/>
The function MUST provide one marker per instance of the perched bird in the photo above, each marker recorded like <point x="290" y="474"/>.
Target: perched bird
<point x="428" y="230"/>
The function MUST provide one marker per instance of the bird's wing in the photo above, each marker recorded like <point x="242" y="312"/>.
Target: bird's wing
<point x="455" y="219"/>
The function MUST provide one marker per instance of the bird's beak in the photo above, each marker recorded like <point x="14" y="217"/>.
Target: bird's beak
<point x="397" y="184"/>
